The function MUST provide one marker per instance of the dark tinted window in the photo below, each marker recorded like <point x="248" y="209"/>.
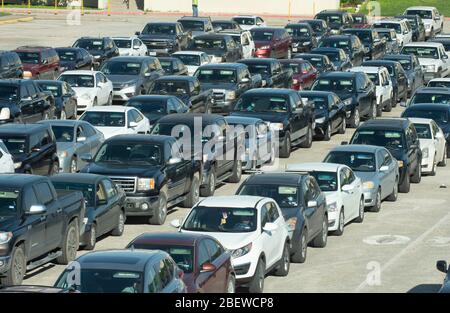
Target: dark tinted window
<point x="43" y="193"/>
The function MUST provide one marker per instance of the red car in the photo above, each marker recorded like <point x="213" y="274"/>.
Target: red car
<point x="304" y="73"/>
<point x="205" y="262"/>
<point x="360" y="21"/>
<point x="41" y="62"/>
<point x="272" y="42"/>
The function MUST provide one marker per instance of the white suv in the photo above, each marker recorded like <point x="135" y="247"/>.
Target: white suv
<point x="248" y="22"/>
<point x="432" y="19"/>
<point x="401" y="26"/>
<point x="252" y="227"/>
<point x="130" y="46"/>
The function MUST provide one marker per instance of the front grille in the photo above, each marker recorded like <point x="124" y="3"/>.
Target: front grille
<point x="155" y="44"/>
<point x="218" y="96"/>
<point x="127" y="184"/>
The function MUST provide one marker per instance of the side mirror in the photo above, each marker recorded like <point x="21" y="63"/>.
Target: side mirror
<point x="384" y="168"/>
<point x="81" y="139"/>
<point x="132" y="125"/>
<point x="175" y="223"/>
<point x="445" y="56"/>
<point x="86" y="157"/>
<point x="442" y="266"/>
<point x="37" y="209"/>
<point x="270" y="227"/>
<point x="346" y="188"/>
<point x="5" y="114"/>
<point x="45" y="61"/>
<point x="312" y="204"/>
<point x="208" y="267"/>
<point x="174" y="161"/>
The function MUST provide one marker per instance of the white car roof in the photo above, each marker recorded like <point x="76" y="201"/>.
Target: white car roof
<point x="251" y="16"/>
<point x="189" y="52"/>
<point x="417" y="120"/>
<point x="81" y="72"/>
<point x="424" y="44"/>
<point x="391" y="21"/>
<point x="366" y="69"/>
<point x="420" y="8"/>
<point x="109" y="108"/>
<point x="445" y="79"/>
<point x="309" y="167"/>
<point x="232" y="201"/>
<point x="125" y="37"/>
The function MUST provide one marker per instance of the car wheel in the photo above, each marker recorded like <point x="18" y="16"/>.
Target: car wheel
<point x="73" y="165"/>
<point x="18" y="268"/>
<point x="377" y="206"/>
<point x="120" y="226"/>
<point x="110" y="99"/>
<point x="63" y="115"/>
<point x="417" y="177"/>
<point x="161" y="213"/>
<point x="284" y="263"/>
<point x="394" y="103"/>
<point x="300" y="254"/>
<point x="388" y="107"/>
<point x="379" y="109"/>
<point x="194" y="193"/>
<point x="237" y="172"/>
<point x="71" y="244"/>
<point x="343" y="127"/>
<point x="210" y="188"/>
<point x="321" y="239"/>
<point x="285" y="151"/>
<point x="327" y="134"/>
<point x="394" y="194"/>
<point x="355" y="119"/>
<point x="90" y="245"/>
<point x="231" y="285"/>
<point x="360" y="217"/>
<point x="309" y="138"/>
<point x="341" y="223"/>
<point x="256" y="285"/>
<point x="433" y="170"/>
<point x="405" y="186"/>
<point x="444" y="158"/>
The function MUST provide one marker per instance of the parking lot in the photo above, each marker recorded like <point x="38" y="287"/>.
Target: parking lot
<point x="394" y="250"/>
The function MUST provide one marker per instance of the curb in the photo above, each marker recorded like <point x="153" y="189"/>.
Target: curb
<point x="16" y="20"/>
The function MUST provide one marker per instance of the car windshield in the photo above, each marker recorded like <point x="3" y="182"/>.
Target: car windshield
<point x="332" y="55"/>
<point x="396" y="26"/>
<point x="55" y="89"/>
<point x="88" y="190"/>
<point x="90" y="44"/>
<point x="171" y="87"/>
<point x="224" y="25"/>
<point x="29" y="57"/>
<point x="285" y="196"/>
<point x="182" y="255"/>
<point x="259" y="35"/>
<point x="439" y="116"/>
<point x="160" y="29"/>
<point x="406" y="64"/>
<point x="298" y="31"/>
<point x="423" y="131"/>
<point x="221" y="220"/>
<point x="320" y="103"/>
<point x="9" y="203"/>
<point x="86" y="81"/>
<point x="63" y="133"/>
<point x="391" y="140"/>
<point x="130" y="153"/>
<point x="193" y="25"/>
<point x="147" y="107"/>
<point x="67" y="55"/>
<point x="104" y="119"/>
<point x="357" y="161"/>
<point x="336" y="84"/>
<point x="342" y="44"/>
<point x="103" y="281"/>
<point x="422" y="52"/>
<point x="216" y="76"/>
<point x="121" y="68"/>
<point x="262" y="103"/>
<point x="425" y="14"/>
<point x="330" y="18"/>
<point x="374" y="77"/>
<point x="16" y="145"/>
<point x="188" y="59"/>
<point x="437" y="83"/>
<point x="431" y="98"/>
<point x="209" y="44"/>
<point x="123" y="43"/>
<point x="8" y="92"/>
<point x="245" y="20"/>
<point x="327" y="181"/>
<point x="263" y="69"/>
<point x="385" y="34"/>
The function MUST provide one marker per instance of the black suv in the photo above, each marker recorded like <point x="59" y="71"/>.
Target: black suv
<point x="303" y="37"/>
<point x="286" y="113"/>
<point x="10" y="65"/>
<point x="349" y="43"/>
<point x="273" y="74"/>
<point x="32" y="146"/>
<point x="152" y="172"/>
<point x="101" y="48"/>
<point x="207" y="132"/>
<point x="220" y="47"/>
<point x="24" y="101"/>
<point x="355" y="89"/>
<point x="164" y="38"/>
<point x="399" y="136"/>
<point x="337" y="20"/>
<point x="374" y="45"/>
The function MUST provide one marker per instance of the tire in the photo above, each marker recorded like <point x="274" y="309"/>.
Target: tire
<point x="388" y="107"/>
<point x="380" y="108"/>
<point x="120" y="226"/>
<point x="300" y="254"/>
<point x="360" y="217"/>
<point x="289" y="53"/>
<point x="211" y="187"/>
<point x="18" y="268"/>
<point x="285" y="262"/>
<point x="321" y="239"/>
<point x="405" y="186"/>
<point x="377" y="206"/>
<point x="194" y="193"/>
<point x="433" y="170"/>
<point x="110" y="100"/>
<point x="327" y="134"/>
<point x="417" y="177"/>
<point x="92" y="238"/>
<point x="55" y="168"/>
<point x="341" y="224"/>
<point x="443" y="162"/>
<point x="394" y="194"/>
<point x="231" y="285"/>
<point x="160" y="216"/>
<point x="70" y="245"/>
<point x="343" y="127"/>
<point x="237" y="172"/>
<point x="394" y="103"/>
<point x="355" y="119"/>
<point x="285" y="150"/>
<point x="309" y="138"/>
<point x="256" y="285"/>
<point x="63" y="115"/>
<point x="73" y="165"/>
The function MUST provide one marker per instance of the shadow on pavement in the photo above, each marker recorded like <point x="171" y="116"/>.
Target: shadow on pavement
<point x="425" y="288"/>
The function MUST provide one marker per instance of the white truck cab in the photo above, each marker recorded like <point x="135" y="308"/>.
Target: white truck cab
<point x="432" y="19"/>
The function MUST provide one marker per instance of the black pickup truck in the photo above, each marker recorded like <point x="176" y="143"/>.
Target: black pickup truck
<point x="152" y="172"/>
<point x="37" y="225"/>
<point x="374" y="45"/>
<point x="274" y="75"/>
<point x="187" y="89"/>
<point x="228" y="81"/>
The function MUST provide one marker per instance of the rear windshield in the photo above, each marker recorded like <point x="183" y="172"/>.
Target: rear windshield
<point x="423" y="131"/>
<point x="285" y="196"/>
<point x="391" y="140"/>
<point x="357" y="161"/>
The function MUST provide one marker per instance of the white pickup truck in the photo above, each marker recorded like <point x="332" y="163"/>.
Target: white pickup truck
<point x="432" y="19"/>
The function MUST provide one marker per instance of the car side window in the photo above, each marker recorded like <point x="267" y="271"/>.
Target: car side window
<point x="32" y="92"/>
<point x="350" y="176"/>
<point x="154" y="283"/>
<point x="89" y="130"/>
<point x="308" y="194"/>
<point x="111" y="192"/>
<point x="171" y="106"/>
<point x="130" y="117"/>
<point x="164" y="273"/>
<point x="45" y="138"/>
<point x="265" y="218"/>
<point x="24" y="91"/>
<point x="101" y="194"/>
<point x="343" y="178"/>
<point x="203" y="254"/>
<point x="43" y="192"/>
<point x="273" y="212"/>
<point x="215" y="251"/>
<point x="137" y="116"/>
<point x="387" y="158"/>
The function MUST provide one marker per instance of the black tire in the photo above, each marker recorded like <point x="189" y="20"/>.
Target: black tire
<point x="256" y="285"/>
<point x="380" y="108"/>
<point x="417" y="176"/>
<point x="321" y="239"/>
<point x="285" y="262"/>
<point x="285" y="150"/>
<point x="307" y="143"/>
<point x="237" y="172"/>
<point x="343" y="127"/>
<point x="194" y="193"/>
<point x="160" y="215"/>
<point x="388" y="107"/>
<point x="394" y="194"/>
<point x="443" y="162"/>
<point x="327" y="134"/>
<point x="405" y="186"/>
<point x="110" y="99"/>
<point x="120" y="226"/>
<point x="377" y="206"/>
<point x="71" y="243"/>
<point x="341" y="223"/>
<point x="394" y="103"/>
<point x="90" y="245"/>
<point x="355" y="119"/>
<point x="231" y="284"/>
<point x="360" y="217"/>
<point x="94" y="103"/>
<point x="18" y="268"/>
<point x="210" y="188"/>
<point x="73" y="168"/>
<point x="300" y="253"/>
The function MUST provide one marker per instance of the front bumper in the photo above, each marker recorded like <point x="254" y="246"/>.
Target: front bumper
<point x="245" y="267"/>
<point x="123" y="95"/>
<point x="431" y="75"/>
<point x="141" y="206"/>
<point x="427" y="165"/>
<point x="370" y="197"/>
<point x="83" y="104"/>
<point x="160" y="51"/>
<point x="333" y="220"/>
<point x="222" y="106"/>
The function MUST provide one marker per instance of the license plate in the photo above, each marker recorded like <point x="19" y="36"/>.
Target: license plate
<point x="152" y="53"/>
<point x="294" y="49"/>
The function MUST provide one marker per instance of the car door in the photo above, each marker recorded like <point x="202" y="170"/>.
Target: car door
<point x="204" y="280"/>
<point x="101" y="209"/>
<point x="402" y="80"/>
<point x="46" y="151"/>
<point x="270" y="239"/>
<point x="439" y="139"/>
<point x="101" y="89"/>
<point x="347" y="199"/>
<point x="297" y="116"/>
<point x="142" y="125"/>
<point x="35" y="105"/>
<point x="416" y="153"/>
<point x="198" y="99"/>
<point x="333" y="112"/>
<point x="246" y="49"/>
<point x="277" y="75"/>
<point x="82" y="142"/>
<point x="418" y="72"/>
<point x="113" y="205"/>
<point x="36" y="225"/>
<point x="358" y="49"/>
<point x="311" y="213"/>
<point x="219" y="276"/>
<point x="176" y="173"/>
<point x="355" y="191"/>
<point x="363" y="95"/>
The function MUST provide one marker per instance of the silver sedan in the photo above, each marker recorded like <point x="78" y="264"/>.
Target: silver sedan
<point x="73" y="139"/>
<point x="375" y="166"/>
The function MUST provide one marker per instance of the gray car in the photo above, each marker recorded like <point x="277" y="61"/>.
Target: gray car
<point x="375" y="166"/>
<point x="73" y="139"/>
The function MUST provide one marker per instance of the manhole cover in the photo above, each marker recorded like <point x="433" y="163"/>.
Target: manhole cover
<point x="386" y="240"/>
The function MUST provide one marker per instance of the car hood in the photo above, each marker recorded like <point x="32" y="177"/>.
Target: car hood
<point x="197" y="33"/>
<point x="112" y="169"/>
<point x="344" y="95"/>
<point x="69" y="64"/>
<point x="119" y="80"/>
<point x="125" y="51"/>
<point x="231" y="241"/>
<point x="109" y="132"/>
<point x="8" y="223"/>
<point x="84" y="90"/>
<point x="366" y="176"/>
<point x="272" y="117"/>
<point x="247" y="27"/>
<point x="221" y="86"/>
<point x="96" y="52"/>
<point x="192" y="69"/>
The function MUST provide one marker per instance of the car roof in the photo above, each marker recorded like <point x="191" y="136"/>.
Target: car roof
<point x="252" y="16"/>
<point x="298" y="24"/>
<point x="357" y="148"/>
<point x="80" y="72"/>
<point x="389" y="21"/>
<point x="195" y="18"/>
<point x="311" y="55"/>
<point x="20" y="129"/>
<point x="257" y="61"/>
<point x="332" y="12"/>
<point x="314" y="166"/>
<point x="358" y="30"/>
<point x="338" y="74"/>
<point x="385" y="123"/>
<point x="338" y="37"/>
<point x="275" y="179"/>
<point x="290" y="61"/>
<point x="424" y="44"/>
<point x="48" y="81"/>
<point x="132" y="58"/>
<point x="109" y="108"/>
<point x="326" y="49"/>
<point x="71" y="123"/>
<point x="152" y="97"/>
<point x="434" y="90"/>
<point x="170" y="238"/>
<point x="83" y="178"/>
<point x="12" y="81"/>
<point x="177" y="78"/>
<point x="270" y="91"/>
<point x="242" y="120"/>
<point x="419" y="7"/>
<point x="212" y="36"/>
<point x="440" y="40"/>
<point x="397" y="56"/>
<point x="231" y="201"/>
<point x="32" y="48"/>
<point x="366" y="69"/>
<point x="188" y="53"/>
<point x="265" y="29"/>
<point x="125" y="37"/>
<point x="382" y="62"/>
<point x="153" y="139"/>
<point x="316" y="93"/>
<point x="444" y="79"/>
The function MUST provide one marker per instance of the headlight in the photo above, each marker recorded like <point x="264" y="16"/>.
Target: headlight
<point x="368" y="185"/>
<point x="17" y="165"/>
<point x="306" y="43"/>
<point x="145" y="184"/>
<point x="276" y="126"/>
<point x="347" y="101"/>
<point x="332" y="207"/>
<point x="291" y="223"/>
<point x="230" y="95"/>
<point x="265" y="48"/>
<point x="431" y="68"/>
<point x="85" y="220"/>
<point x="5" y="237"/>
<point x="320" y="120"/>
<point x="242" y="251"/>
<point x="86" y="96"/>
<point x="400" y="163"/>
<point x="425" y="153"/>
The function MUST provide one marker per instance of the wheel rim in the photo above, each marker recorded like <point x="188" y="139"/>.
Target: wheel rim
<point x="230" y="288"/>
<point x="73" y="166"/>
<point x="261" y="278"/>
<point x="378" y="200"/>
<point x="374" y="111"/>
<point x="344" y="125"/>
<point x="121" y="224"/>
<point x="341" y="221"/>
<point x="163" y="209"/>
<point x="361" y="209"/>
<point x="288" y="144"/>
<point x="19" y="269"/>
<point x="212" y="183"/>
<point x="72" y="246"/>
<point x="286" y="259"/>
<point x="309" y="135"/>
<point x="239" y="168"/>
<point x="328" y="131"/>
